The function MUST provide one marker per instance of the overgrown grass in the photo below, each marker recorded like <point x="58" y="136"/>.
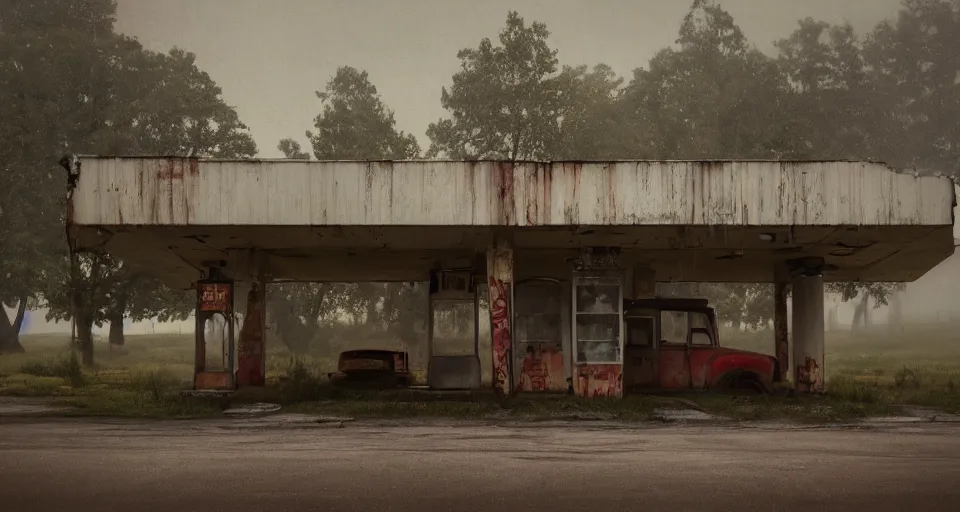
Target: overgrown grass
<point x="66" y="367"/>
<point x="871" y="373"/>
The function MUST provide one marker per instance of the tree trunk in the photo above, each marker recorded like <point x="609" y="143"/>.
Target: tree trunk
<point x="85" y="339"/>
<point x="896" y="310"/>
<point x="866" y="310"/>
<point x="116" y="331"/>
<point x="10" y="333"/>
<point x="859" y="313"/>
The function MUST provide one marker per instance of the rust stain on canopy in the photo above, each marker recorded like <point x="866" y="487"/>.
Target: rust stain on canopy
<point x="726" y="221"/>
<point x="182" y="191"/>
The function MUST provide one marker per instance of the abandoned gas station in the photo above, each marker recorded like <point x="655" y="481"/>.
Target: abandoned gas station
<point x="560" y="250"/>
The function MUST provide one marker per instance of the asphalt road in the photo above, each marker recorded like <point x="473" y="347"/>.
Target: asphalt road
<point x="239" y="466"/>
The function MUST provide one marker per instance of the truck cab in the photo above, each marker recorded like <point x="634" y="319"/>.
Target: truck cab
<point x="673" y="344"/>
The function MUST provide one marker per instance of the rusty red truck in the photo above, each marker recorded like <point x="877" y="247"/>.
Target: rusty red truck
<point x="673" y="344"/>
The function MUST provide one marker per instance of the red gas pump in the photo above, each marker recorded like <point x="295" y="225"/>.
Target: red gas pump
<point x="215" y="338"/>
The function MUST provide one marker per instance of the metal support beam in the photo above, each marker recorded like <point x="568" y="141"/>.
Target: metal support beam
<point x="500" y="283"/>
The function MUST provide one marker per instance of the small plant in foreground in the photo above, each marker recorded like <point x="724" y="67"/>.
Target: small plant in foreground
<point x="847" y="389"/>
<point x="907" y="378"/>
<point x="154" y="387"/>
<point x="301" y="383"/>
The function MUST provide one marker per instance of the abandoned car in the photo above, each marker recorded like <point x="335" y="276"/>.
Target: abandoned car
<point x="376" y="368"/>
<point x="673" y="344"/>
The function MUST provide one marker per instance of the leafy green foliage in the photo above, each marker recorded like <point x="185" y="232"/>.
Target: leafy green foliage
<point x="589" y="118"/>
<point x="914" y="68"/>
<point x="505" y="100"/>
<point x="354" y="123"/>
<point x="713" y="96"/>
<point x="78" y="87"/>
<point x="47" y="48"/>
<point x="291" y="149"/>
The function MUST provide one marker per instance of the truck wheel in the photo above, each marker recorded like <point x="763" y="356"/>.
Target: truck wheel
<point x="743" y="383"/>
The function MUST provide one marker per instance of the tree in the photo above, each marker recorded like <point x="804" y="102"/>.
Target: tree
<point x="138" y="296"/>
<point x="879" y="292"/>
<point x="354" y="123"/>
<point x="79" y="87"/>
<point x="590" y="120"/>
<point x="299" y="310"/>
<point x="713" y="96"/>
<point x="832" y="94"/>
<point x="914" y="65"/>
<point x="505" y="101"/>
<point x="54" y="57"/>
<point x="291" y="149"/>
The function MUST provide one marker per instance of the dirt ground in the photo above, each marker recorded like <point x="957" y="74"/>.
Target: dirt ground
<point x="294" y="462"/>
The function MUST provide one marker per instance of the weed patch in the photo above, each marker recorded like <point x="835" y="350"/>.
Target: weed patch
<point x="67" y="368"/>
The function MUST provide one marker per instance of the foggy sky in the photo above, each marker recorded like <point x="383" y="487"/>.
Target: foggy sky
<point x="269" y="56"/>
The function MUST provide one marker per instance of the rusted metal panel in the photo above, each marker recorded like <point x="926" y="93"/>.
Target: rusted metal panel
<point x="541" y="368"/>
<point x="177" y="191"/>
<point x="251" y="354"/>
<point x="598" y="380"/>
<point x="215" y="381"/>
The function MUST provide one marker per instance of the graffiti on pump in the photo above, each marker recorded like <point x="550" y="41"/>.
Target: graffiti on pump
<point x="599" y="380"/>
<point x="541" y="368"/>
<point x="500" y="327"/>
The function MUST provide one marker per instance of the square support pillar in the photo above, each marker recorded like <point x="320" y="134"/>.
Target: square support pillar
<point x="251" y="354"/>
<point x="808" y="332"/>
<point x="500" y="283"/>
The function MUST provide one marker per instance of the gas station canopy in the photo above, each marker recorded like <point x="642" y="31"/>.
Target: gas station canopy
<point x="724" y="221"/>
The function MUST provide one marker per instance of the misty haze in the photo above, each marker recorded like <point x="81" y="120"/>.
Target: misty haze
<point x="312" y="255"/>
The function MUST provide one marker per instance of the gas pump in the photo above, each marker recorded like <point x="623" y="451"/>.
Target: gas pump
<point x="453" y="359"/>
<point x="215" y="337"/>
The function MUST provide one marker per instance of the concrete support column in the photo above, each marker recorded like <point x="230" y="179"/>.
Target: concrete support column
<point x="251" y="345"/>
<point x="781" y="332"/>
<point x="808" y="331"/>
<point x="500" y="283"/>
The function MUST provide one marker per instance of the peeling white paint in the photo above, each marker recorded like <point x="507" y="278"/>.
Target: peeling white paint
<point x="174" y="191"/>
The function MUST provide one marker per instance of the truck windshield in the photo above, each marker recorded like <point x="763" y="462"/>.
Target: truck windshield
<point x="679" y="327"/>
